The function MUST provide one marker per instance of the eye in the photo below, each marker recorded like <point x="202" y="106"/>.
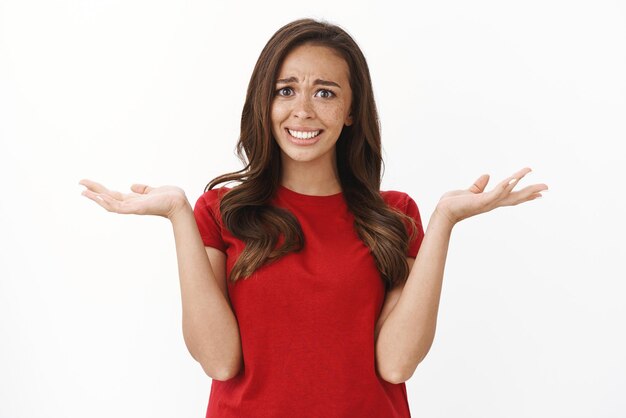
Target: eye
<point x="279" y="91"/>
<point x="328" y="93"/>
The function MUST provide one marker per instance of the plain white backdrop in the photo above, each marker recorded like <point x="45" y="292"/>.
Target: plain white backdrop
<point x="532" y="317"/>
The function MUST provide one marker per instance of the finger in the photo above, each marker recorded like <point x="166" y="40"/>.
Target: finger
<point x="522" y="199"/>
<point x="480" y="184"/>
<point x="96" y="198"/>
<point x="113" y="205"/>
<point x="141" y="188"/>
<point x="527" y="193"/>
<point x="99" y="188"/>
<point x="510" y="182"/>
<point x="93" y="185"/>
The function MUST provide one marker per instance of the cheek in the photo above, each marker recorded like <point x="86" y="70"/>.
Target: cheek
<point x="275" y="121"/>
<point x="332" y="114"/>
<point x="277" y="113"/>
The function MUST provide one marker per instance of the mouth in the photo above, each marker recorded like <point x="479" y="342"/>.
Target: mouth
<point x="303" y="134"/>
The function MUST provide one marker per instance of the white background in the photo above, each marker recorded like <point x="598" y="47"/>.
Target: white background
<point x="531" y="321"/>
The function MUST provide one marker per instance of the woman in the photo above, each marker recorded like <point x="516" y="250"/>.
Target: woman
<point x="307" y="291"/>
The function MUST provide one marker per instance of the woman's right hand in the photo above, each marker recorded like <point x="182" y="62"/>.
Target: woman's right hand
<point x="145" y="200"/>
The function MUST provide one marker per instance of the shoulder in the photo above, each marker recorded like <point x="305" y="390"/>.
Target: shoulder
<point x="213" y="196"/>
<point x="402" y="202"/>
<point x="209" y="201"/>
<point x="208" y="218"/>
<point x="397" y="199"/>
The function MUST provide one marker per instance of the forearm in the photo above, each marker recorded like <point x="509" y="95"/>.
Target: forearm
<point x="408" y="332"/>
<point x="210" y="327"/>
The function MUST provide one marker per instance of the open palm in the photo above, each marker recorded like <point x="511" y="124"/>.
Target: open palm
<point x="461" y="204"/>
<point x="145" y="200"/>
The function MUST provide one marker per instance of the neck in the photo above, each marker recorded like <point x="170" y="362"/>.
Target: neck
<point x="312" y="178"/>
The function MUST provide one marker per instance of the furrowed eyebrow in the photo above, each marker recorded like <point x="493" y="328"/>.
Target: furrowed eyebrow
<point x="318" y="82"/>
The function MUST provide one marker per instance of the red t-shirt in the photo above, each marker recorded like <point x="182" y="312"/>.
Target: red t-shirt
<point x="307" y="321"/>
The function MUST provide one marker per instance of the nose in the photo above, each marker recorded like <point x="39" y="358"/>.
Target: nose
<point x="303" y="108"/>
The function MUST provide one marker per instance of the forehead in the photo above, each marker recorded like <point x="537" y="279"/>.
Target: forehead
<point x="315" y="61"/>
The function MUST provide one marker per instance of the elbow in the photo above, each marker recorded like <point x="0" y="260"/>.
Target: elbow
<point x="221" y="370"/>
<point x="218" y="366"/>
<point x="399" y="367"/>
<point x="394" y="378"/>
<point x="231" y="371"/>
<point x="399" y="375"/>
<point x="390" y="375"/>
<point x="222" y="374"/>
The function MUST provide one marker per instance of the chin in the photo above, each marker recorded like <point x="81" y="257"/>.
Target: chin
<point x="306" y="156"/>
<point x="301" y="158"/>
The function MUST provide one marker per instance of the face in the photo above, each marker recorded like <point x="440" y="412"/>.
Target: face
<point x="311" y="105"/>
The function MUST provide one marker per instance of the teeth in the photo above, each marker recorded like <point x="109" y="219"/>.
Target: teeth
<point x="304" y="135"/>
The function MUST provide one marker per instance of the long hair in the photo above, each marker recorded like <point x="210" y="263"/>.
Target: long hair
<point x="245" y="209"/>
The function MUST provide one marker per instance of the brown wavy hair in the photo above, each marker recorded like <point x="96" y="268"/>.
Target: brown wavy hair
<point x="245" y="208"/>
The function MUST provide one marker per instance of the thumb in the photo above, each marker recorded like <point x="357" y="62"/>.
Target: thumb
<point x="480" y="184"/>
<point x="140" y="188"/>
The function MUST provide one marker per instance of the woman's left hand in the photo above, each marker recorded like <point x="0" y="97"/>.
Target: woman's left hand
<point x="457" y="205"/>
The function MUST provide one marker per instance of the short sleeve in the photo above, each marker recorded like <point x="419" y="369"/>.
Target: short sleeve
<point x="206" y="213"/>
<point x="411" y="209"/>
<point x="404" y="203"/>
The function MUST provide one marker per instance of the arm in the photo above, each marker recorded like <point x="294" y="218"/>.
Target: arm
<point x="210" y="327"/>
<point x="408" y="331"/>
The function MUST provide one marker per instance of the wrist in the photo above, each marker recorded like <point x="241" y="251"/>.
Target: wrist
<point x="181" y="207"/>
<point x="442" y="218"/>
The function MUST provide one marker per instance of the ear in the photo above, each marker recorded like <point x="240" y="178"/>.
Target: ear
<point x="348" y="120"/>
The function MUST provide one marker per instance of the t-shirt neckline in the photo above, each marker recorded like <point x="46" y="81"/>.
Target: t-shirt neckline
<point x="292" y="195"/>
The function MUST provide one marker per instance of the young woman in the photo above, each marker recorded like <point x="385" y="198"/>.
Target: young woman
<point x="307" y="291"/>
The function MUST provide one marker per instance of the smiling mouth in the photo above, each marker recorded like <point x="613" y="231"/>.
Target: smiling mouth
<point x="303" y="135"/>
